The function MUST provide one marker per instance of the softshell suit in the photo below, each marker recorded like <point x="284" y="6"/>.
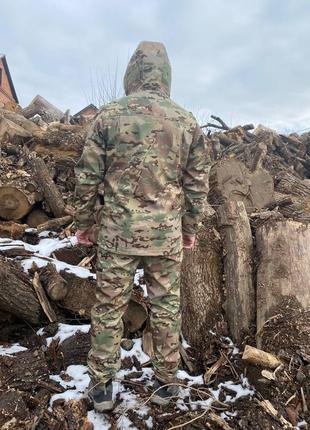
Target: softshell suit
<point x="150" y="155"/>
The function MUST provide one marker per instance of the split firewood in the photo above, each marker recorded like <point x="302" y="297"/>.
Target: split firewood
<point x="54" y="284"/>
<point x="283" y="267"/>
<point x="238" y="246"/>
<point x="12" y="230"/>
<point x="54" y="224"/>
<point x="219" y="421"/>
<point x="36" y="217"/>
<point x="271" y="410"/>
<point x="46" y="306"/>
<point x="51" y="193"/>
<point x="260" y="358"/>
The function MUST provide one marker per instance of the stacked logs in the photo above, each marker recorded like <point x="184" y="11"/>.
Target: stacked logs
<point x="260" y="196"/>
<point x="251" y="248"/>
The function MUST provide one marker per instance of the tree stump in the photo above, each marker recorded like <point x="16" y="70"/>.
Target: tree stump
<point x="238" y="253"/>
<point x="201" y="285"/>
<point x="283" y="267"/>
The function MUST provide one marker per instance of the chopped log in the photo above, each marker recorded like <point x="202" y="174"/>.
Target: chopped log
<point x="22" y="122"/>
<point x="54" y="224"/>
<point x="283" y="267"/>
<point x="51" y="193"/>
<point x="260" y="358"/>
<point x="81" y="297"/>
<point x="288" y="183"/>
<point x="63" y="142"/>
<point x="201" y="285"/>
<point x="230" y="179"/>
<point x="12" y="230"/>
<point x="12" y="133"/>
<point x="53" y="283"/>
<point x="40" y="106"/>
<point x="36" y="217"/>
<point x="16" y="293"/>
<point x="238" y="254"/>
<point x="17" y="199"/>
<point x="46" y="306"/>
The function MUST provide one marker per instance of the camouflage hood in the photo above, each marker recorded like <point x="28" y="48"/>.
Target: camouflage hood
<point x="148" y="69"/>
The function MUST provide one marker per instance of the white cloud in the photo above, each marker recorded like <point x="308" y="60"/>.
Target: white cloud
<point x="246" y="61"/>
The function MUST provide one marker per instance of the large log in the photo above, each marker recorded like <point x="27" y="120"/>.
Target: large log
<point x="238" y="254"/>
<point x="230" y="179"/>
<point x="283" y="267"/>
<point x="40" y="106"/>
<point x="16" y="293"/>
<point x="201" y="285"/>
<point x="51" y="193"/>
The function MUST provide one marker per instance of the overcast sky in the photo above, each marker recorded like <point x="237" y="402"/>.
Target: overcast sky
<point x="244" y="60"/>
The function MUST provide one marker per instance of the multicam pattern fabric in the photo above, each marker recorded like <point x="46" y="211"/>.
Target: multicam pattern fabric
<point x="115" y="282"/>
<point x="151" y="157"/>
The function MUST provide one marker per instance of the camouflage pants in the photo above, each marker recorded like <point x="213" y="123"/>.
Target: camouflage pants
<point x="114" y="284"/>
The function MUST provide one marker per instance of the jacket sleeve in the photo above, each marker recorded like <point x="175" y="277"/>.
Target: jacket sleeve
<point x="195" y="183"/>
<point x="89" y="173"/>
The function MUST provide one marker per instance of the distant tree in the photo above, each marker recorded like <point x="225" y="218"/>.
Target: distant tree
<point x="104" y="86"/>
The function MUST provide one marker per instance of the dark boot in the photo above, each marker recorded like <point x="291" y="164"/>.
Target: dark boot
<point x="102" y="396"/>
<point x="163" y="394"/>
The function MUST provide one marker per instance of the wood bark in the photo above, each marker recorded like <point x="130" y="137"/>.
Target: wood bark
<point x="36" y="217"/>
<point x="51" y="193"/>
<point x="201" y="285"/>
<point x="12" y="230"/>
<point x="238" y="253"/>
<point x="283" y="267"/>
<point x="54" y="284"/>
<point x="16" y="293"/>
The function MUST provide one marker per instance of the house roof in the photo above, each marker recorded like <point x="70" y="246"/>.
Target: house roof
<point x="7" y="71"/>
<point x="91" y="105"/>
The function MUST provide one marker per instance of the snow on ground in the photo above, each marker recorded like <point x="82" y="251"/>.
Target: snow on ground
<point x="78" y="381"/>
<point x="65" y="331"/>
<point x="138" y="275"/>
<point x="42" y="254"/>
<point x="12" y="349"/>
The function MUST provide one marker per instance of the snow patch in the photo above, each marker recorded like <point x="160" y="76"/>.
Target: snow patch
<point x="77" y="385"/>
<point x="137" y="351"/>
<point x="13" y="349"/>
<point x="65" y="331"/>
<point x="191" y="380"/>
<point x="99" y="421"/>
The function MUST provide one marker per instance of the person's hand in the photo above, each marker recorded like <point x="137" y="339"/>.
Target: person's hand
<point x="189" y="240"/>
<point x="85" y="237"/>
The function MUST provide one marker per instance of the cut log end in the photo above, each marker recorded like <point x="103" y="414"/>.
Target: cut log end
<point x="14" y="204"/>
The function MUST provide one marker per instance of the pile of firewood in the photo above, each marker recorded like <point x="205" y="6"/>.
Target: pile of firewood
<point x="259" y="208"/>
<point x="250" y="262"/>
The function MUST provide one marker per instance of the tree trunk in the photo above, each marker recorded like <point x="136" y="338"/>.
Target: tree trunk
<point x="201" y="285"/>
<point x="238" y="250"/>
<point x="283" y="268"/>
<point x="16" y="293"/>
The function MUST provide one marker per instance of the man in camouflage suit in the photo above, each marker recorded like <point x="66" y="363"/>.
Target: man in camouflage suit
<point x="150" y="155"/>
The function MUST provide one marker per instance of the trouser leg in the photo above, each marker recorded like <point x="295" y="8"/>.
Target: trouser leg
<point x="163" y="281"/>
<point x="114" y="284"/>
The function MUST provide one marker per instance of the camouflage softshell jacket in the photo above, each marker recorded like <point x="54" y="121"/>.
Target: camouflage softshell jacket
<point x="151" y="157"/>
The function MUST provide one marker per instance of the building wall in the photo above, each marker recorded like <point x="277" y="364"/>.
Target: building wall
<point x="5" y="90"/>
